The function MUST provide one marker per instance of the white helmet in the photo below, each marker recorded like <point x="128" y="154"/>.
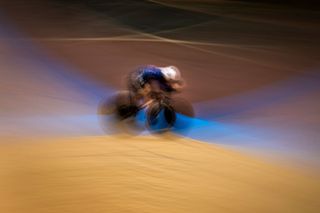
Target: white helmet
<point x="171" y="73"/>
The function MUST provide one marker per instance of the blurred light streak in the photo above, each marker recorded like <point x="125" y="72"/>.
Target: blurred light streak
<point x="232" y="14"/>
<point x="192" y="45"/>
<point x="132" y="38"/>
<point x="185" y="43"/>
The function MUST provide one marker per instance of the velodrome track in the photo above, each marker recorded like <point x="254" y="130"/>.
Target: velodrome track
<point x="254" y="83"/>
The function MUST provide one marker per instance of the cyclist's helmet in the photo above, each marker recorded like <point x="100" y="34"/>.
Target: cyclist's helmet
<point x="171" y="73"/>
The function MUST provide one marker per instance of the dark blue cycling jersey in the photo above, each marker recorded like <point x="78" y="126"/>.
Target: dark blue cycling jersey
<point x="145" y="74"/>
<point x="148" y="73"/>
